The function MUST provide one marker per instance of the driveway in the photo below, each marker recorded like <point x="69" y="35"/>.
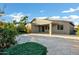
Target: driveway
<point x="55" y="45"/>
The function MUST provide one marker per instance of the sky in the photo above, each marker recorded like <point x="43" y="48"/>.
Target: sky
<point x="61" y="11"/>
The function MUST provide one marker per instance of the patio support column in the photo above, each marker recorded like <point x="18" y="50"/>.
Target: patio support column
<point x="50" y="28"/>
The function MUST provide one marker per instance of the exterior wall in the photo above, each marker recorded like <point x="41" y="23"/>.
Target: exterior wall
<point x="71" y="29"/>
<point x="29" y="27"/>
<point x="35" y="29"/>
<point x="66" y="28"/>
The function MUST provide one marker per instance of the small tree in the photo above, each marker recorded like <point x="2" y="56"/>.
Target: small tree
<point x="77" y="30"/>
<point x="21" y="25"/>
<point x="1" y="24"/>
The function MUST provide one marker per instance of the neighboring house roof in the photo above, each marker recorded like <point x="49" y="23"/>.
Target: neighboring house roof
<point x="54" y="20"/>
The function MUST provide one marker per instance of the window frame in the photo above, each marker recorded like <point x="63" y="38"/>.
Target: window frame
<point x="60" y="27"/>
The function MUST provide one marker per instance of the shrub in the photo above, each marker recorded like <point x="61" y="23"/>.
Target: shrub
<point x="29" y="48"/>
<point x="7" y="36"/>
<point x="77" y="30"/>
<point x="21" y="29"/>
<point x="1" y="25"/>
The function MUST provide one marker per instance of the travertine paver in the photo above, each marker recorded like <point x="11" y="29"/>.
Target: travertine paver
<point x="55" y="45"/>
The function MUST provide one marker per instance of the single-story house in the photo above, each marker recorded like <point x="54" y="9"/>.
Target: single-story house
<point x="50" y="26"/>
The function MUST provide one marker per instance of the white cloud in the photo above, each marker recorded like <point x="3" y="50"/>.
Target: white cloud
<point x="70" y="17"/>
<point x="41" y="11"/>
<point x="18" y="16"/>
<point x="71" y="10"/>
<point x="41" y="17"/>
<point x="74" y="17"/>
<point x="55" y="17"/>
<point x="52" y="17"/>
<point x="64" y="17"/>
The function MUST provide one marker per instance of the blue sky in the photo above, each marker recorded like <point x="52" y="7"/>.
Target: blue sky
<point x="66" y="11"/>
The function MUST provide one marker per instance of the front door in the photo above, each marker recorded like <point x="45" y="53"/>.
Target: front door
<point x="43" y="29"/>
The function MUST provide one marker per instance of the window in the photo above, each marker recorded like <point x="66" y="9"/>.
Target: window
<point x="59" y="27"/>
<point x="46" y="27"/>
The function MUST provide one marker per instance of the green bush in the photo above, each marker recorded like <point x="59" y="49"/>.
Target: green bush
<point x="29" y="48"/>
<point x="21" y="29"/>
<point x="7" y="36"/>
<point x="77" y="33"/>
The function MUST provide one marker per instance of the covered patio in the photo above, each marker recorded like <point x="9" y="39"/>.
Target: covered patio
<point x="45" y="27"/>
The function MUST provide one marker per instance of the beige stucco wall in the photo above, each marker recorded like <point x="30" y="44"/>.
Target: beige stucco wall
<point x="32" y="28"/>
<point x="35" y="29"/>
<point x="29" y="27"/>
<point x="66" y="30"/>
